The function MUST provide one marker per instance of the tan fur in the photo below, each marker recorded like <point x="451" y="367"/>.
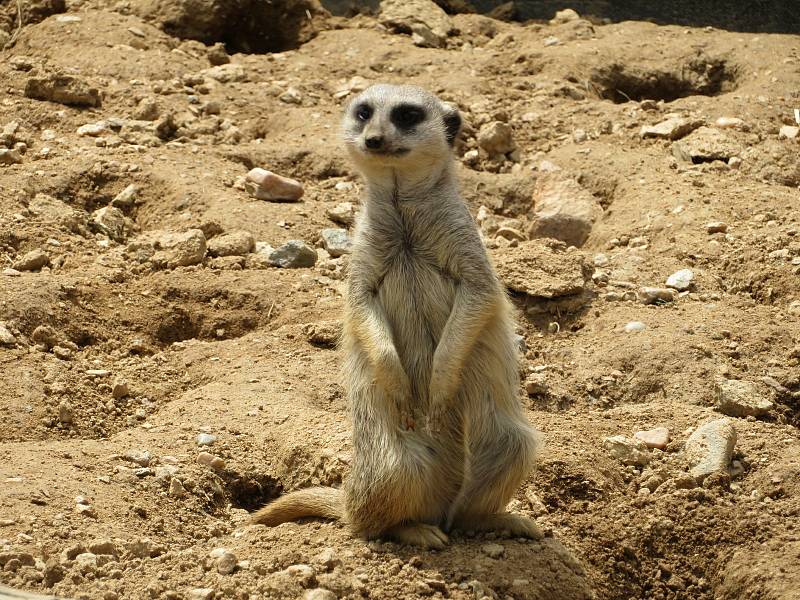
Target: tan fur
<point x="428" y="338"/>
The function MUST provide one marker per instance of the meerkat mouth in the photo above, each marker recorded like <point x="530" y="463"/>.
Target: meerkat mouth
<point x="383" y="152"/>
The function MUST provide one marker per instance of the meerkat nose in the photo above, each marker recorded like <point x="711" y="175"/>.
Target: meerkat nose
<point x="374" y="142"/>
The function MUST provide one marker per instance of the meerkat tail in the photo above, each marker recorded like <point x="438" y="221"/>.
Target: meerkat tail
<point x="324" y="502"/>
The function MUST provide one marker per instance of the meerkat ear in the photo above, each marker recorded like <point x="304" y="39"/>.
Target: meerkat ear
<point x="452" y="123"/>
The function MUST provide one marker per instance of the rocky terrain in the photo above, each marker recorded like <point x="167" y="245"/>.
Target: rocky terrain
<point x="169" y="310"/>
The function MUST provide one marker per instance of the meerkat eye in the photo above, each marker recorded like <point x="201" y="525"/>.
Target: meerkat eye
<point x="406" y="116"/>
<point x="363" y="112"/>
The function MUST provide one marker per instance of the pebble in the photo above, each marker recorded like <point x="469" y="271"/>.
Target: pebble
<point x="225" y="561"/>
<point x="144" y="548"/>
<point x="139" y="457"/>
<point x="654" y="438"/>
<point x="579" y="136"/>
<point x="98" y="373"/>
<point x="728" y="122"/>
<point x="209" y="460"/>
<point x="493" y="550"/>
<point x="789" y="132"/>
<point x="6" y="337"/>
<point x="710" y="448"/>
<point x="32" y="261"/>
<point x="202" y="594"/>
<point x="496" y="138"/>
<point x="327" y="559"/>
<point x="126" y="198"/>
<point x="344" y="213"/>
<point x="680" y="280"/>
<point x="206" y="439"/>
<point x="217" y="55"/>
<point x="176" y="489"/>
<point x="86" y="510"/>
<point x="634" y="327"/>
<point x="291" y="96"/>
<point x="65" y="413"/>
<point x="737" y="398"/>
<point x="536" y="384"/>
<point x="319" y="594"/>
<point x="10" y="157"/>
<point x="93" y="129"/>
<point x="626" y="450"/>
<point x="120" y="389"/>
<point x="266" y="185"/>
<point x="716" y="227"/>
<point x="551" y="40"/>
<point x="9" y="272"/>
<point x="670" y="129"/>
<point x="236" y="243"/>
<point x="652" y="295"/>
<point x="294" y="254"/>
<point x="336" y="242"/>
<point x="304" y="573"/>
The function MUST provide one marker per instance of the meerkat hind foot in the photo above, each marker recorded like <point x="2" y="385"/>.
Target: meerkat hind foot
<point x="515" y="525"/>
<point x="418" y="534"/>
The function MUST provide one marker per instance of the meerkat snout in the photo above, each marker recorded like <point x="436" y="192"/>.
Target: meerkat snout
<point x="397" y="126"/>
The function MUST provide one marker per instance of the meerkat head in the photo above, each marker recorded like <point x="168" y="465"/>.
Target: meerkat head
<point x="399" y="126"/>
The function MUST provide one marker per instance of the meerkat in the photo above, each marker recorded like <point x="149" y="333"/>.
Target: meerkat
<point x="440" y="440"/>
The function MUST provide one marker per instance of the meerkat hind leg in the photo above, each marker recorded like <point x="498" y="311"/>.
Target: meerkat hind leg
<point x="418" y="534"/>
<point x="515" y="525"/>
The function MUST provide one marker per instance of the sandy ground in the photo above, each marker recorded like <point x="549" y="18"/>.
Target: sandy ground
<point x="112" y="363"/>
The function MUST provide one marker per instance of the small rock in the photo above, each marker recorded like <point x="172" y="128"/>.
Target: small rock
<point x="144" y="548"/>
<point x="319" y="594"/>
<point x="217" y="55"/>
<point x="579" y="136"/>
<point x="65" y="413"/>
<point x="728" y="122"/>
<point x="86" y="510"/>
<point x="537" y="270"/>
<point x="327" y="559"/>
<point x="139" y="457"/>
<point x="103" y="546"/>
<point x="654" y="438"/>
<point x="10" y="157"/>
<point x="266" y="185"/>
<point x="202" y="594"/>
<point x="336" y="242"/>
<point x="109" y="221"/>
<point x="670" y="129"/>
<point x="126" y="198"/>
<point x="496" y="138"/>
<point x="147" y="110"/>
<point x="428" y="24"/>
<point x="710" y="448"/>
<point x="45" y="335"/>
<point x="493" y="550"/>
<point x="226" y="73"/>
<point x="86" y="562"/>
<point x="706" y="144"/>
<point x="344" y="213"/>
<point x="291" y="96"/>
<point x="680" y="280"/>
<point x="305" y="574"/>
<point x="741" y="399"/>
<point x="93" y="129"/>
<point x="789" y="132"/>
<point x="551" y="40"/>
<point x="634" y="327"/>
<point x="180" y="249"/>
<point x="716" y="227"/>
<point x="206" y="439"/>
<point x="209" y="460"/>
<point x="120" y="390"/>
<point x="9" y="272"/>
<point x="236" y="243"/>
<point x="32" y="261"/>
<point x="294" y="254"/>
<point x="651" y="295"/>
<point x="225" y="561"/>
<point x="62" y="88"/>
<point x="176" y="489"/>
<point x="628" y="451"/>
<point x="536" y="384"/>
<point x="6" y="337"/>
<point x="564" y="16"/>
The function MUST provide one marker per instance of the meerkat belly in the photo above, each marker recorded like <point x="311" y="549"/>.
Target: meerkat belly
<point x="417" y="298"/>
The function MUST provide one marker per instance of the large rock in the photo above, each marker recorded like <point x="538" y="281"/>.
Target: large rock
<point x="673" y="128"/>
<point x="710" y="447"/>
<point x="294" y="254"/>
<point x="496" y="138"/>
<point x="31" y="261"/>
<point x="236" y="243"/>
<point x="179" y="249"/>
<point x="423" y="19"/>
<point x="537" y="270"/>
<point x="706" y="144"/>
<point x="62" y="88"/>
<point x="741" y="398"/>
<point x="109" y="221"/>
<point x="563" y="209"/>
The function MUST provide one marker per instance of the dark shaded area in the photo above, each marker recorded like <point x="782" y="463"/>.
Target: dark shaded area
<point x="762" y="16"/>
<point x="700" y="76"/>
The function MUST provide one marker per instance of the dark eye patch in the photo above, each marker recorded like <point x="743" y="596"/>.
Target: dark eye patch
<point x="406" y="116"/>
<point x="363" y="112"/>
